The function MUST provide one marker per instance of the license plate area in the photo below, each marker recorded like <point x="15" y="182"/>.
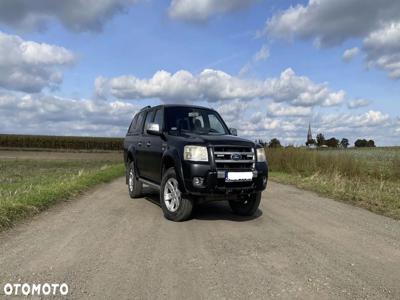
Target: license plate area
<point x="238" y="176"/>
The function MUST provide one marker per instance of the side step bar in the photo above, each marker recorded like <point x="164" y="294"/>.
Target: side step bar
<point x="151" y="184"/>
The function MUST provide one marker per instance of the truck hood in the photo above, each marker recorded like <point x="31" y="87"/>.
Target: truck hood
<point x="218" y="140"/>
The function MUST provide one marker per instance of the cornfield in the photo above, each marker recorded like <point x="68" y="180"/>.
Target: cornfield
<point x="60" y="142"/>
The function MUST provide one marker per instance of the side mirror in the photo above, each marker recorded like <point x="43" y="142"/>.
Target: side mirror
<point x="233" y="131"/>
<point x="154" y="129"/>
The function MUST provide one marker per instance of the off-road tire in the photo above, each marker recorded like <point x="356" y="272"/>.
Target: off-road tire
<point x="185" y="207"/>
<point x="246" y="207"/>
<point x="135" y="186"/>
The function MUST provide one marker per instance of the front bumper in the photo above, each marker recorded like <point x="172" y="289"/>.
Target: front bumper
<point x="214" y="180"/>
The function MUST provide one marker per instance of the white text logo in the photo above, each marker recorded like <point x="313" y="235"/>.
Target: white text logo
<point x="39" y="289"/>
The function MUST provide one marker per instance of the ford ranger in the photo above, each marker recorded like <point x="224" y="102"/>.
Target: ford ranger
<point x="189" y="155"/>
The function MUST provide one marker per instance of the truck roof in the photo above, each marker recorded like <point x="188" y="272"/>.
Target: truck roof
<point x="175" y="105"/>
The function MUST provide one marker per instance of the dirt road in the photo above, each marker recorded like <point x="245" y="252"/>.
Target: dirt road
<point x="107" y="246"/>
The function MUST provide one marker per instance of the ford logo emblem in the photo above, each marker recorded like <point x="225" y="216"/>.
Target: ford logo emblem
<point x="236" y="157"/>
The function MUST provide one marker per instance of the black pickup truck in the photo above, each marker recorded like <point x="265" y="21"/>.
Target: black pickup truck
<point x="189" y="155"/>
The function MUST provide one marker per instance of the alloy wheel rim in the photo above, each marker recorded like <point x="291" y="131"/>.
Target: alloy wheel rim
<point x="131" y="176"/>
<point x="172" y="195"/>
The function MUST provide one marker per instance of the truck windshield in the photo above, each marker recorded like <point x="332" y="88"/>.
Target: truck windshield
<point x="195" y="120"/>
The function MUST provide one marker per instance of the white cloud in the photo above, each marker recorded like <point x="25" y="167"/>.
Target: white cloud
<point x="332" y="22"/>
<point x="397" y="125"/>
<point x="356" y="103"/>
<point x="383" y="49"/>
<point x="301" y="91"/>
<point x="201" y="10"/>
<point x="372" y="125"/>
<point x="77" y="15"/>
<point x="246" y="68"/>
<point x="259" y="56"/>
<point x="372" y="118"/>
<point x="45" y="114"/>
<point x="262" y="54"/>
<point x="349" y="54"/>
<point x="101" y="87"/>
<point x="210" y="85"/>
<point x="214" y="85"/>
<point x="232" y="111"/>
<point x="29" y="66"/>
<point x="279" y="110"/>
<point x="334" y="99"/>
<point x="261" y="126"/>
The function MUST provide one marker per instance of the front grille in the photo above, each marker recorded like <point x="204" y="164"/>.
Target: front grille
<point x="234" y="158"/>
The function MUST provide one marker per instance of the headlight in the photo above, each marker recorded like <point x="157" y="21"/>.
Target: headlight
<point x="195" y="153"/>
<point x="261" y="155"/>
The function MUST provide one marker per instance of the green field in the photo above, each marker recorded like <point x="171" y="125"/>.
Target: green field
<point x="368" y="178"/>
<point x="30" y="181"/>
<point x="28" y="186"/>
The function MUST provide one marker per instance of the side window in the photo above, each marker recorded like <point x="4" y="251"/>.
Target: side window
<point x="149" y="119"/>
<point x="215" y="124"/>
<point x="159" y="118"/>
<point x="133" y="125"/>
<point x="138" y="125"/>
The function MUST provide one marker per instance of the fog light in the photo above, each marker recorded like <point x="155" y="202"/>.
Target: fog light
<point x="198" y="181"/>
<point x="264" y="180"/>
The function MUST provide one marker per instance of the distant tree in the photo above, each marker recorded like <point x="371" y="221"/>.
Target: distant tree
<point x="344" y="143"/>
<point x="332" y="142"/>
<point x="360" y="143"/>
<point x="274" y="143"/>
<point x="320" y="139"/>
<point x="364" y="143"/>
<point x="371" y="143"/>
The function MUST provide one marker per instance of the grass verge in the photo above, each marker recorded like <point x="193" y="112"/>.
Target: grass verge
<point x="371" y="183"/>
<point x="379" y="197"/>
<point x="28" y="186"/>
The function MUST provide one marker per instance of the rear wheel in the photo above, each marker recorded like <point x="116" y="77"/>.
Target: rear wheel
<point x="246" y="207"/>
<point x="134" y="185"/>
<point x="175" y="207"/>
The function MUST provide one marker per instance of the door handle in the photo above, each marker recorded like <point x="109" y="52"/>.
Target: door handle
<point x="139" y="144"/>
<point x="148" y="144"/>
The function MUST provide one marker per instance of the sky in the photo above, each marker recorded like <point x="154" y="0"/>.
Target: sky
<point x="270" y="67"/>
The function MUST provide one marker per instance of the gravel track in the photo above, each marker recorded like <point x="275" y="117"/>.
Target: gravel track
<point x="299" y="245"/>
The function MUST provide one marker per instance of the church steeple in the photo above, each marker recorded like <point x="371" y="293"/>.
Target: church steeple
<point x="309" y="134"/>
<point x="310" y="141"/>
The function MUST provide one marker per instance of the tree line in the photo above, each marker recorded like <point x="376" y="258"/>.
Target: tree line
<point x="334" y="142"/>
<point x="322" y="142"/>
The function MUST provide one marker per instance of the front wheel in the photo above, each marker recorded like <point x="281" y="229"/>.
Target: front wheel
<point x="175" y="207"/>
<point x="246" y="207"/>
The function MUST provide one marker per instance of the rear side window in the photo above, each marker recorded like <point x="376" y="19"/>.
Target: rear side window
<point x="133" y="124"/>
<point x="138" y="124"/>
